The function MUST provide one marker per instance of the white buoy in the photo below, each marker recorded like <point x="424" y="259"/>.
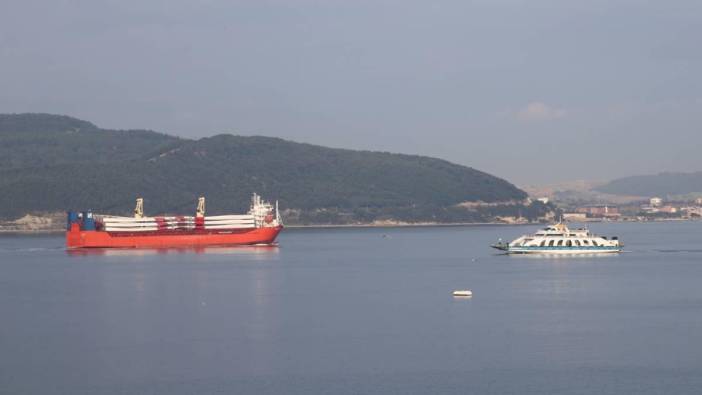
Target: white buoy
<point x="463" y="292"/>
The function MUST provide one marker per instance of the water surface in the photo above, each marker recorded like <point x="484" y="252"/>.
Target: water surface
<point x="350" y="311"/>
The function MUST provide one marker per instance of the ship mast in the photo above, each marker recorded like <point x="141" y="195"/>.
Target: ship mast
<point x="277" y="213"/>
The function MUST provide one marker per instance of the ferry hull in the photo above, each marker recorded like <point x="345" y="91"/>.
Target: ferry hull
<point x="77" y="238"/>
<point x="560" y="251"/>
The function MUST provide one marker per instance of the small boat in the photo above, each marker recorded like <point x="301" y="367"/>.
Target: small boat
<point x="559" y="239"/>
<point x="463" y="292"/>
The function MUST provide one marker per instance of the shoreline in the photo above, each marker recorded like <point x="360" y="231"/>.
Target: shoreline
<point x="405" y="225"/>
<point x="17" y="231"/>
<point x="317" y="226"/>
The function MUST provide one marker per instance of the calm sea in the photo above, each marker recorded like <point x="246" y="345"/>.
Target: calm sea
<point x="355" y="311"/>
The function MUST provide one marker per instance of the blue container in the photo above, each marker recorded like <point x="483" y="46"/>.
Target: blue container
<point x="88" y="221"/>
<point x="72" y="218"/>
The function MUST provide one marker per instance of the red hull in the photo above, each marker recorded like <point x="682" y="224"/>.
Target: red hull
<point x="76" y="238"/>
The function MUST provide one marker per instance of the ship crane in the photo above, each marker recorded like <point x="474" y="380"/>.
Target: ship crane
<point x="200" y="213"/>
<point x="139" y="209"/>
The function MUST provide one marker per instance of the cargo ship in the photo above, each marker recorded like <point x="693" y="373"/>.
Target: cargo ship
<point x="260" y="226"/>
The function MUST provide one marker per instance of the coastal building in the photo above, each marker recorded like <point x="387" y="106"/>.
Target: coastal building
<point x="668" y="209"/>
<point x="575" y="217"/>
<point x="599" y="211"/>
<point x="692" y="212"/>
<point x="655" y="202"/>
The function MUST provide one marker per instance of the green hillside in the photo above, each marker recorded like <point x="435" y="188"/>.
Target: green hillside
<point x="55" y="163"/>
<point x="36" y="140"/>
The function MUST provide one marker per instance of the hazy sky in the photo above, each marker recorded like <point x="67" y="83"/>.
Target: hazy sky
<point x="534" y="91"/>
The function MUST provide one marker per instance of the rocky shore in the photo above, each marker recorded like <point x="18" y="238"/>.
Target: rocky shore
<point x="48" y="222"/>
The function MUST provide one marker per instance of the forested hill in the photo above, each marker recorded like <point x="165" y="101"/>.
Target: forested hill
<point x="663" y="184"/>
<point x="37" y="140"/>
<point x="51" y="163"/>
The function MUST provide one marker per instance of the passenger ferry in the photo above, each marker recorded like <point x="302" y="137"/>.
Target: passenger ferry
<point x="558" y="239"/>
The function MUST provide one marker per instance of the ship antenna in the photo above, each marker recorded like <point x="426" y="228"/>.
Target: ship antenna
<point x="277" y="213"/>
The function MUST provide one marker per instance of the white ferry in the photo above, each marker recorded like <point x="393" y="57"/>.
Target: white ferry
<point x="558" y="239"/>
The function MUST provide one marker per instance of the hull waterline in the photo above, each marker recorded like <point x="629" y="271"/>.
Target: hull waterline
<point x="562" y="251"/>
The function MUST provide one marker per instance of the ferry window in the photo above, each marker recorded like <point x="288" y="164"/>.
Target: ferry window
<point x="577" y="243"/>
<point x="560" y="242"/>
<point x="550" y="243"/>
<point x="543" y="243"/>
<point x="585" y="242"/>
<point x="569" y="243"/>
<point x="595" y="243"/>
